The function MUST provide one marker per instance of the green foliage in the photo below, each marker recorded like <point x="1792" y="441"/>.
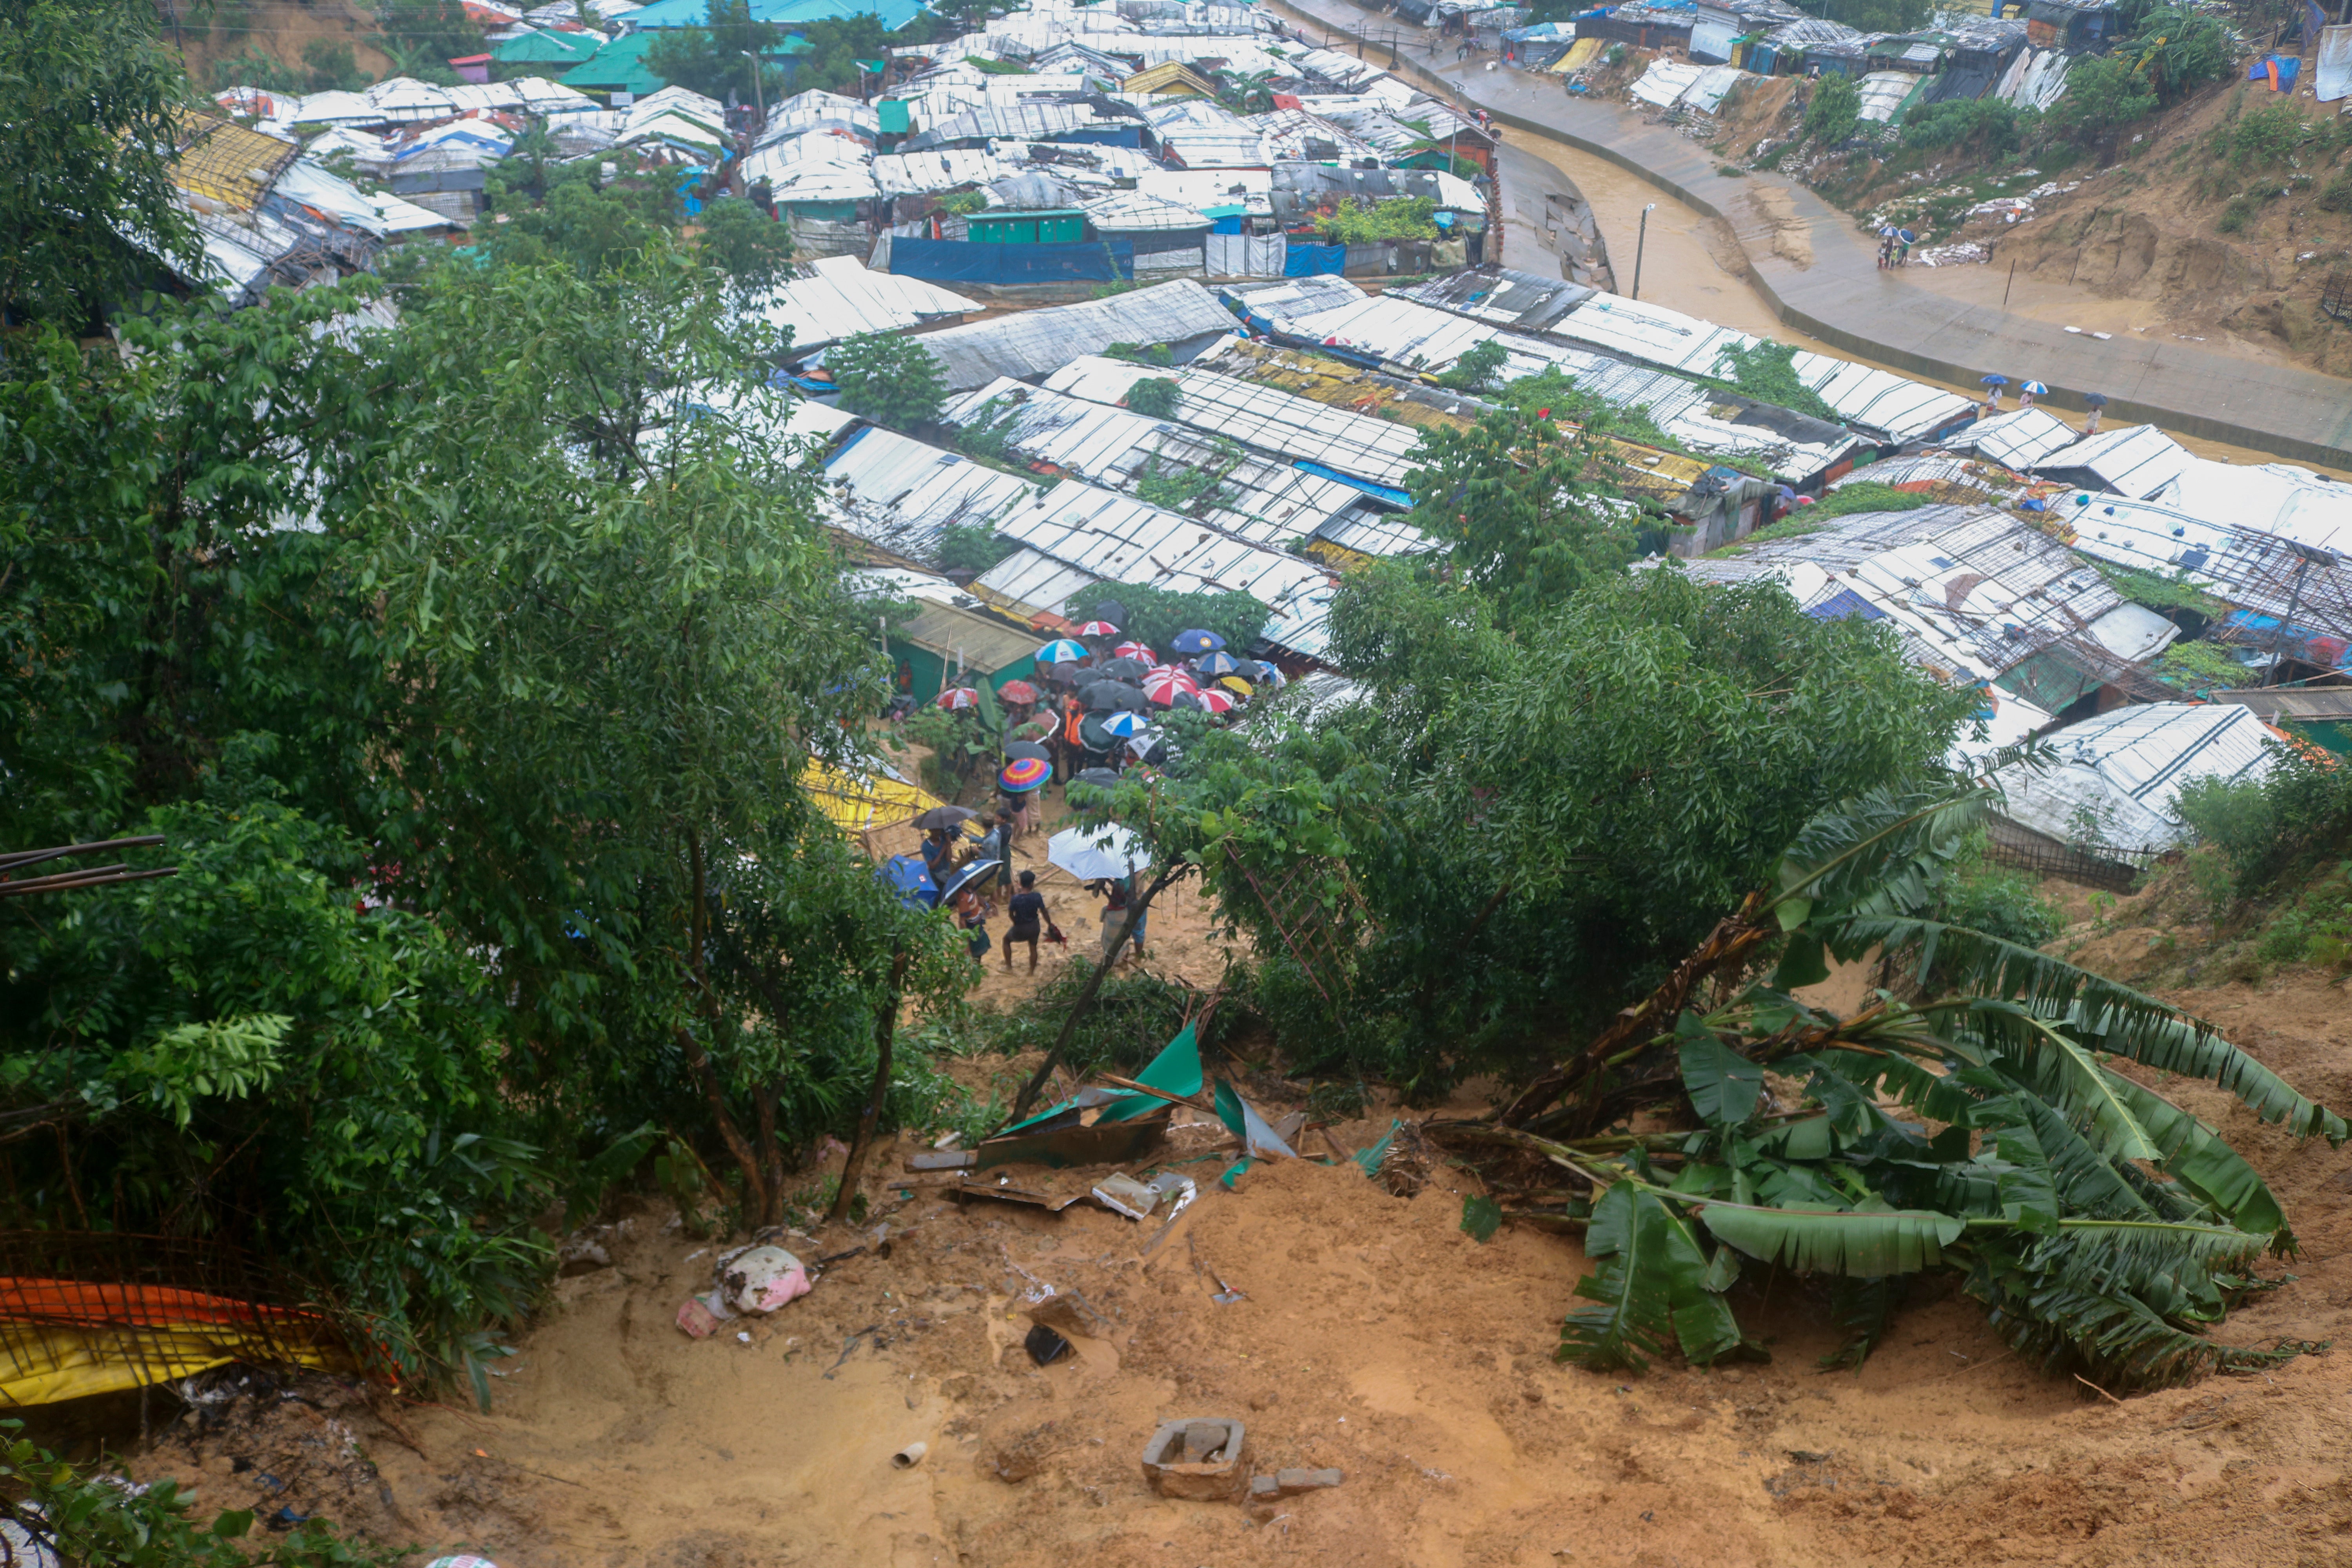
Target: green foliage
<point x="1179" y="487"/>
<point x="2297" y="815"/>
<point x="91" y="1521"/>
<point x="1552" y="394"/>
<point x="1133" y="1018"/>
<point x="255" y="68"/>
<point x="1362" y="221"/>
<point x="1767" y="372"/>
<point x="1865" y="495"/>
<point x="835" y="45"/>
<point x="2263" y="138"/>
<point x="1477" y="368"/>
<point x="2054" y="1221"/>
<point x="1140" y="353"/>
<point x="1155" y="615"/>
<point x="1154" y="396"/>
<point x="2235" y="216"/>
<point x="94" y="104"/>
<point x="2104" y="96"/>
<point x="971" y="547"/>
<point x="1245" y="92"/>
<point x="1999" y="902"/>
<point x="423" y="36"/>
<point x="1833" y="110"/>
<point x="2178" y="49"/>
<point x="1481" y="1217"/>
<point x="2336" y="195"/>
<point x="964" y="202"/>
<point x="560" y="212"/>
<point x="1983" y="126"/>
<point x="712" y="58"/>
<point x="1516" y="501"/>
<point x="333" y="67"/>
<point x="2201" y="668"/>
<point x="997" y="67"/>
<point x="888" y="378"/>
<point x="750" y="248"/>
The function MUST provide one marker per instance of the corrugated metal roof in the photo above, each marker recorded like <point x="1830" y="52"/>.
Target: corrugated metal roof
<point x="896" y="493"/>
<point x="2121" y="773"/>
<point x="2274" y="498"/>
<point x="837" y="298"/>
<point x="978" y="643"/>
<point x="1266" y="417"/>
<point x="1527" y="301"/>
<point x="2251" y="570"/>
<point x="1132" y="212"/>
<point x="1295" y="135"/>
<point x="1033" y="343"/>
<point x="2137" y="461"/>
<point x="1665" y="81"/>
<point x="940" y="169"/>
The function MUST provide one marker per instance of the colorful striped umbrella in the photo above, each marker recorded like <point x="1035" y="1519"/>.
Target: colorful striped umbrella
<point x="1024" y="774"/>
<point x="1214" y="663"/>
<point x="1215" y="700"/>
<point x="1063" y="651"/>
<point x="2036" y="388"/>
<point x="1164" y="686"/>
<point x="1134" y="650"/>
<point x="1017" y="692"/>
<point x="1127" y="724"/>
<point x="1099" y="629"/>
<point x="956" y="697"/>
<point x="1193" y="642"/>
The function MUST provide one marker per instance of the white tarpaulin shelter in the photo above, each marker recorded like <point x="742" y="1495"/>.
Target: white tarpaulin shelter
<point x="2331" y="74"/>
<point x="2119" y="775"/>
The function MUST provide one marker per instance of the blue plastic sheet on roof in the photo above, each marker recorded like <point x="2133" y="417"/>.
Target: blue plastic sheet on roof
<point x="1226" y="225"/>
<point x="962" y="261"/>
<point x="892" y="14"/>
<point x="1843" y="603"/>
<point x="1389" y="493"/>
<point x="1308" y="260"/>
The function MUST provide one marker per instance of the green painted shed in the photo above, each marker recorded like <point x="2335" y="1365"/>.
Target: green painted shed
<point x="1063" y="226"/>
<point x="944" y="640"/>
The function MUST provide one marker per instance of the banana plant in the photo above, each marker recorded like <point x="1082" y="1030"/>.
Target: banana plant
<point x="1974" y="1119"/>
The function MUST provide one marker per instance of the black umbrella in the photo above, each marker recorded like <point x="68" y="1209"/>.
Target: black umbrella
<point x="1101" y="778"/>
<point x="1110" y="610"/>
<point x="2096" y="399"/>
<point x="1115" y="697"/>
<point x="1098" y="740"/>
<point x="1062" y="674"/>
<point x="944" y="817"/>
<point x="1124" y="669"/>
<point x="1020" y="750"/>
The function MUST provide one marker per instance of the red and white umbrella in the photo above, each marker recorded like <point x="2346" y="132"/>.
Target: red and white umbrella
<point x="956" y="697"/>
<point x="1097" y="629"/>
<point x="1134" y="650"/>
<point x="1215" y="700"/>
<point x="1164" y="686"/>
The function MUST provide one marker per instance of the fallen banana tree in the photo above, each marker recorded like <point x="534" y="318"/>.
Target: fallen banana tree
<point x="1968" y="1119"/>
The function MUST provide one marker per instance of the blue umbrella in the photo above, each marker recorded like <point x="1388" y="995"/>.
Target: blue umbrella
<point x="1992" y="381"/>
<point x="911" y="878"/>
<point x="1063" y="651"/>
<point x="1127" y="724"/>
<point x="1193" y="642"/>
<point x="1906" y="236"/>
<point x="2036" y="388"/>
<point x="1216" y="664"/>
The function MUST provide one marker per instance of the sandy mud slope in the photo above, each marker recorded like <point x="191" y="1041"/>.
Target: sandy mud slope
<point x="1376" y="1337"/>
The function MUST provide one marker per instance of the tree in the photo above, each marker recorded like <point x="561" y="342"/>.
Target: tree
<point x="1477" y="368"/>
<point x="1519" y="830"/>
<point x="888" y="378"/>
<point x="1874" y="15"/>
<point x="2104" y="94"/>
<point x="1155" y="397"/>
<point x="1154" y="615"/>
<point x="750" y="248"/>
<point x="1834" y="110"/>
<point x="2102" y="1226"/>
<point x="593" y="228"/>
<point x="423" y="36"/>
<point x="712" y="58"/>
<point x="1514" y="499"/>
<point x="94" y="107"/>
<point x="2178" y="49"/>
<point x="333" y="67"/>
<point x="837" y="44"/>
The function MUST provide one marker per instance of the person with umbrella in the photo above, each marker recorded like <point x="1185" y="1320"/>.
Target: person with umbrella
<point x="1886" y="248"/>
<point x="1027" y="769"/>
<point x="1027" y="910"/>
<point x="2028" y="392"/>
<point x="1904" y="240"/>
<point x="971" y="918"/>
<point x="1992" y="385"/>
<point x="2098" y="402"/>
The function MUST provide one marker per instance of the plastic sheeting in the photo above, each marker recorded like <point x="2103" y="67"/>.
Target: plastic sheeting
<point x="1308" y="261"/>
<point x="2331" y="73"/>
<point x="1246" y="255"/>
<point x="961" y="261"/>
<point x="1665" y="81"/>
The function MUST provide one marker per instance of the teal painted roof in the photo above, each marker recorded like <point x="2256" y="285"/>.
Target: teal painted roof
<point x="618" y="66"/>
<point x="549" y="48"/>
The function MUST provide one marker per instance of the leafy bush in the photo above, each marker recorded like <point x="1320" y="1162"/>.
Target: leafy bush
<point x="2261" y="138"/>
<point x="963" y="204"/>
<point x="2235" y="216"/>
<point x="1158" y="354"/>
<point x="1835" y="110"/>
<point x="1982" y="125"/>
<point x="1395" y="217"/>
<point x="1155" y="615"/>
<point x="2297" y="816"/>
<point x="2001" y="903"/>
<point x="2201" y="668"/>
<point x="753" y="250"/>
<point x="1552" y="394"/>
<point x="2104" y="95"/>
<point x="2337" y="197"/>
<point x="1768" y="372"/>
<point x="1477" y="369"/>
<point x="1864" y="495"/>
<point x="971" y="547"/>
<point x="2178" y="49"/>
<point x="889" y="378"/>
<point x="1154" y="396"/>
<point x="92" y="1521"/>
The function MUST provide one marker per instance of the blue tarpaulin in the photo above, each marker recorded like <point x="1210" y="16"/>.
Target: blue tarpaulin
<point x="2287" y="67"/>
<point x="1307" y="260"/>
<point x="961" y="261"/>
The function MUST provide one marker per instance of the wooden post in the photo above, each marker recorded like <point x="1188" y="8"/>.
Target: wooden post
<point x="886" y="1031"/>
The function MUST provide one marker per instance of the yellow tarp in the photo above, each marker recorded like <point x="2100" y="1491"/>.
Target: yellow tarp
<point x="76" y="1362"/>
<point x="857" y="805"/>
<point x="1579" y="55"/>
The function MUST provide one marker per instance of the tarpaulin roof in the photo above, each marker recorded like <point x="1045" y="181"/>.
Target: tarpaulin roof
<point x="1033" y="343"/>
<point x="2125" y="771"/>
<point x="2136" y="460"/>
<point x="2253" y="570"/>
<point x="2274" y="498"/>
<point x="1124" y="212"/>
<point x="897" y="493"/>
<point x="837" y="298"/>
<point x="1527" y="301"/>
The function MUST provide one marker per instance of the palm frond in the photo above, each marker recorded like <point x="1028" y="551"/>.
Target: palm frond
<point x="1866" y="1309"/>
<point x="1883" y="853"/>
<point x="2138" y="1255"/>
<point x="1651" y="1289"/>
<point x="2078" y="1175"/>
<point x="2121" y="1342"/>
<point x="2194" y="1155"/>
<point x="1865" y="1244"/>
<point x="2192" y="1049"/>
<point x="2062" y="1070"/>
<point x="1723" y="1086"/>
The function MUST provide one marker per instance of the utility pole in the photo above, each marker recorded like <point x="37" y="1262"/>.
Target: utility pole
<point x="759" y="91"/>
<point x="1641" y="239"/>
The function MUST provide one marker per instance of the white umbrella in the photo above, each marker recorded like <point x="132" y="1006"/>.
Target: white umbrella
<point x="1097" y="854"/>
